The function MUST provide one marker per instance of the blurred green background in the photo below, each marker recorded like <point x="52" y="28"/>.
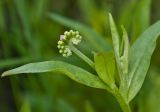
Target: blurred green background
<point x="29" y="31"/>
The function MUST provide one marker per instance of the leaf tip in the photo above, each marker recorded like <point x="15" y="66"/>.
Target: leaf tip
<point x="110" y="15"/>
<point x="3" y="75"/>
<point x="111" y="21"/>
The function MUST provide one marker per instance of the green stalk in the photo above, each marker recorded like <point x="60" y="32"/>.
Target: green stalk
<point x="123" y="103"/>
<point x="82" y="56"/>
<point x="124" y="106"/>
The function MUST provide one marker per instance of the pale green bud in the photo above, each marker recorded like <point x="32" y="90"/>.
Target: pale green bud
<point x="68" y="37"/>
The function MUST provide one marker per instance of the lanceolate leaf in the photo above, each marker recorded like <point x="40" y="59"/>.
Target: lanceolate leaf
<point x="140" y="55"/>
<point x="105" y="67"/>
<point x="78" y="74"/>
<point x="115" y="37"/>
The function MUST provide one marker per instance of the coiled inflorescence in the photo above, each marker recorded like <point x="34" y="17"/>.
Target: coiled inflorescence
<point x="69" y="37"/>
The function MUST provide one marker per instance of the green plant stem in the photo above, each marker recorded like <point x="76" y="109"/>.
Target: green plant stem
<point x="124" y="105"/>
<point x="82" y="56"/>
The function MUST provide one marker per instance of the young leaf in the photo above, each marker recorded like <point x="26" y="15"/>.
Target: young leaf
<point x="140" y="55"/>
<point x="105" y="67"/>
<point x="115" y="37"/>
<point x="125" y="56"/>
<point x="121" y="61"/>
<point x="124" y="62"/>
<point x="77" y="74"/>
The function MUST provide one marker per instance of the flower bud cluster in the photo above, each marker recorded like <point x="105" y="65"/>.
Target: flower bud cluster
<point x="69" y="37"/>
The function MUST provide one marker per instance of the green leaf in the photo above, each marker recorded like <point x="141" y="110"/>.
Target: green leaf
<point x="23" y="14"/>
<point x="25" y="106"/>
<point x="115" y="37"/>
<point x="140" y="56"/>
<point x="89" y="107"/>
<point x="96" y="40"/>
<point x="105" y="67"/>
<point x="77" y="74"/>
<point x="2" y="18"/>
<point x="138" y="20"/>
<point x="89" y="9"/>
<point x="124" y="57"/>
<point x="121" y="53"/>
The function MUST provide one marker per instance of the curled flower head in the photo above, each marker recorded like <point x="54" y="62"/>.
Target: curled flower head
<point x="69" y="37"/>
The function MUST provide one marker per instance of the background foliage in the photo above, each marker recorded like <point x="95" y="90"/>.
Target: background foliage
<point x="29" y="31"/>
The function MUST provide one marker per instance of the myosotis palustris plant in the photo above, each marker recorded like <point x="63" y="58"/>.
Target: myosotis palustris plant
<point x="131" y="62"/>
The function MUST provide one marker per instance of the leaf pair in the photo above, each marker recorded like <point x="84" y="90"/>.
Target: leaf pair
<point x="121" y="51"/>
<point x="136" y="60"/>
